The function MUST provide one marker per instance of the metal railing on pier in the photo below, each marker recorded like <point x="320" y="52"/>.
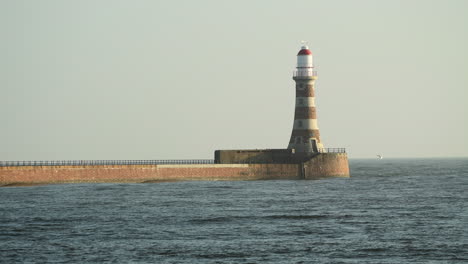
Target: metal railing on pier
<point x="129" y="162"/>
<point x="102" y="162"/>
<point x="332" y="150"/>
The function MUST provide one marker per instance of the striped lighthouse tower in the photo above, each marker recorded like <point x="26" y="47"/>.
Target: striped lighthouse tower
<point x="305" y="136"/>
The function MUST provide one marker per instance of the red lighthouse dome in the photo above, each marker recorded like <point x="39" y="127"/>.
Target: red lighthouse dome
<point x="304" y="51"/>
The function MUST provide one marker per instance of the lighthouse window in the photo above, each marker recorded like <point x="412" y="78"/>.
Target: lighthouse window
<point x="299" y="123"/>
<point x="301" y="101"/>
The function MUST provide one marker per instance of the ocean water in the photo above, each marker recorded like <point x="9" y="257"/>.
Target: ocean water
<point x="390" y="211"/>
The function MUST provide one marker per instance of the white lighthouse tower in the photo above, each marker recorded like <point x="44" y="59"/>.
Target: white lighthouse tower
<point x="305" y="136"/>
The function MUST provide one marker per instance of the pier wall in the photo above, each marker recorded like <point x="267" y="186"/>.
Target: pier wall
<point x="145" y="173"/>
<point x="321" y="166"/>
<point x="327" y="165"/>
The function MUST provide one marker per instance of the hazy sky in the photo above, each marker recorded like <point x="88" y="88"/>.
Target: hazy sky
<point x="180" y="79"/>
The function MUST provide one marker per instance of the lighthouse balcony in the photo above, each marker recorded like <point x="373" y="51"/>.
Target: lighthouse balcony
<point x="304" y="73"/>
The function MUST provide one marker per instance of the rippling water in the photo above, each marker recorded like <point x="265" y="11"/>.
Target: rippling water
<point x="390" y="211"/>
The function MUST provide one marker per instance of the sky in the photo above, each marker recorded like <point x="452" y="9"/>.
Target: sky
<point x="150" y="79"/>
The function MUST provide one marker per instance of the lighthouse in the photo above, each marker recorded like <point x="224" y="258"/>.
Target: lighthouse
<point x="305" y="136"/>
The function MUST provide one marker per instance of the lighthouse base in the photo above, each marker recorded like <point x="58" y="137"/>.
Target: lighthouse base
<point x="310" y="165"/>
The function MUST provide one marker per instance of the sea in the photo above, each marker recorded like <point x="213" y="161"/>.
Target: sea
<point x="389" y="211"/>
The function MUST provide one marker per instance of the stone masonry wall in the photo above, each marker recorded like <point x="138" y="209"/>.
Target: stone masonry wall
<point x="327" y="165"/>
<point x="145" y="173"/>
<point x="321" y="166"/>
